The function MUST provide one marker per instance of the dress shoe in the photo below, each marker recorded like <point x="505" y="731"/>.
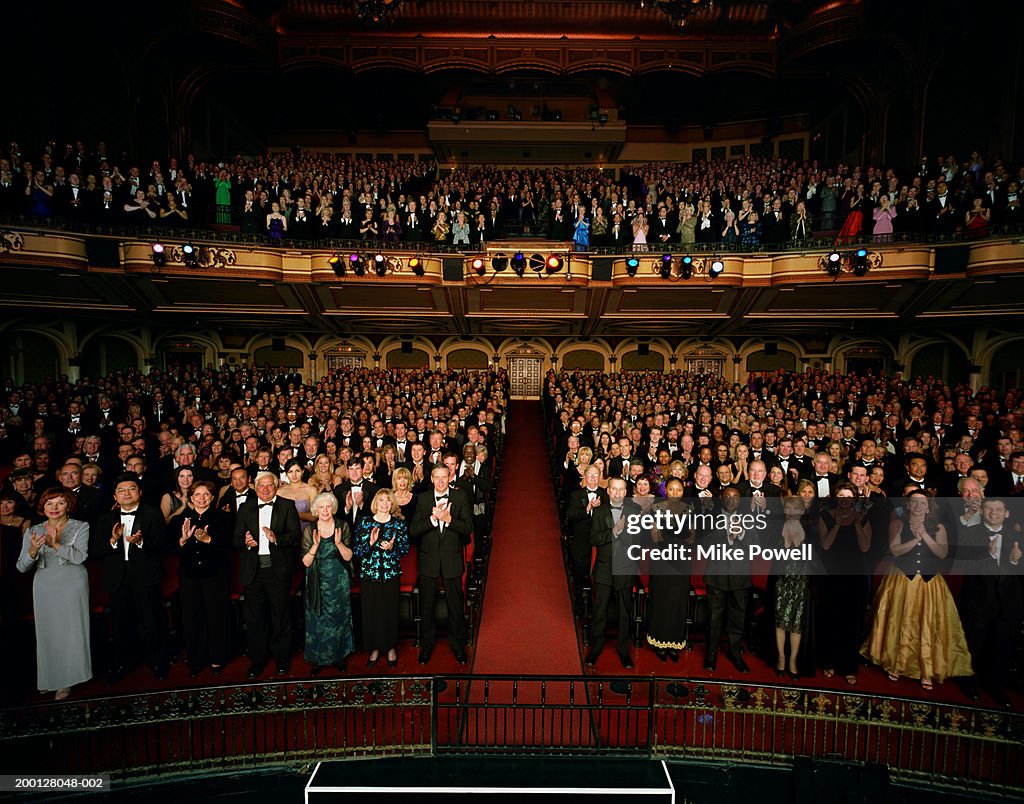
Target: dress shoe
<point x="255" y="671"/>
<point x="626" y="660"/>
<point x="195" y="670"/>
<point x="710" y="662"/>
<point x="371" y="660"/>
<point x="794" y="676"/>
<point x="425" y="655"/>
<point x="393" y="662"/>
<point x="661" y="654"/>
<point x="159" y="671"/>
<point x="460" y="656"/>
<point x="315" y="670"/>
<point x="737" y="661"/>
<point x="674" y="656"/>
<point x="283" y="668"/>
<point x="1001" y="699"/>
<point x="970" y="689"/>
<point x="116" y="675"/>
<point x="591" y="659"/>
<point x="217" y="669"/>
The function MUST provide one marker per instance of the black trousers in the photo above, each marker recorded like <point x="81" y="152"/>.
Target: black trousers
<point x="990" y="641"/>
<point x="603" y="596"/>
<point x="134" y="607"/>
<point x="268" y="620"/>
<point x="726" y="607"/>
<point x="456" y="615"/>
<point x="204" y="616"/>
<point x="580" y="550"/>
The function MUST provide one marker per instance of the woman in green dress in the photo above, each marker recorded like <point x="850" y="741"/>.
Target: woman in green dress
<point x="327" y="557"/>
<point x="223" y="186"/>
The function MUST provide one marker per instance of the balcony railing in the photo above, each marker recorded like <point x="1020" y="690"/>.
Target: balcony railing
<point x="183" y="731"/>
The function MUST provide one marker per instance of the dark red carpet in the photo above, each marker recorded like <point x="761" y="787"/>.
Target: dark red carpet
<point x="527" y="623"/>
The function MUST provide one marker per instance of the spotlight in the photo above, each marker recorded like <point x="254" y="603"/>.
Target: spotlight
<point x="717" y="266"/>
<point x="666" y="266"/>
<point x="353" y="258"/>
<point x="190" y="255"/>
<point x="380" y="265"/>
<point x="835" y="263"/>
<point x="537" y="262"/>
<point x="337" y="265"/>
<point x="358" y="264"/>
<point x="416" y="266"/>
<point x="686" y="267"/>
<point x="478" y="266"/>
<point x="499" y="264"/>
<point x="554" y="264"/>
<point x="632" y="264"/>
<point x="519" y="263"/>
<point x="158" y="256"/>
<point x="860" y="262"/>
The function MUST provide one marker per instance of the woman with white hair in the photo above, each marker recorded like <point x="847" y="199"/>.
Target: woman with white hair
<point x="327" y="557"/>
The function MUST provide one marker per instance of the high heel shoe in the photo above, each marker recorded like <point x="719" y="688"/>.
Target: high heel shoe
<point x="780" y="672"/>
<point x="674" y="656"/>
<point x="661" y="654"/>
<point x="393" y="662"/>
<point x="371" y="660"/>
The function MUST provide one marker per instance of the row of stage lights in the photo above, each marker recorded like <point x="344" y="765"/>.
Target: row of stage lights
<point x="189" y="255"/>
<point x="855" y="262"/>
<point x="364" y="264"/>
<point x="519" y="262"/>
<point x="671" y="267"/>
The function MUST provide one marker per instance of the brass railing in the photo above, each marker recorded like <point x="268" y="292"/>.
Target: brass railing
<point x="222" y="728"/>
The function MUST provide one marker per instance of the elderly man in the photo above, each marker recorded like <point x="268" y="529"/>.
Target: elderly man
<point x="267" y="531"/>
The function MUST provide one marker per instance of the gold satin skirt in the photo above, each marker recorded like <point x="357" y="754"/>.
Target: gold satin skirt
<point x="916" y="630"/>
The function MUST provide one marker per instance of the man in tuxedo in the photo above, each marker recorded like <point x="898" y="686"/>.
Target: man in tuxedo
<point x="764" y="497"/>
<point x="608" y="534"/>
<point x="991" y="598"/>
<point x="91" y="501"/>
<point x="237" y="493"/>
<point x="441" y="527"/>
<point x="355" y="495"/>
<point x="475" y="473"/>
<point x="130" y="542"/>
<point x="582" y="503"/>
<point x="1016" y="461"/>
<point x="823" y="478"/>
<point x="412" y="224"/>
<point x="267" y="531"/>
<point x="728" y="586"/>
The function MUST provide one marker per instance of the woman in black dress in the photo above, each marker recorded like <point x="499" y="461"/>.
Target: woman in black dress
<point x="844" y="538"/>
<point x="670" y="588"/>
<point x="204" y="548"/>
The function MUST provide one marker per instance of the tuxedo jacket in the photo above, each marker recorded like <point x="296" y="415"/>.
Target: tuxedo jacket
<point x="441" y="548"/>
<point x="990" y="589"/>
<point x="144" y="566"/>
<point x="729" y="574"/>
<point x="341" y="491"/>
<point x="608" y="544"/>
<point x="284" y="521"/>
<point x="576" y="513"/>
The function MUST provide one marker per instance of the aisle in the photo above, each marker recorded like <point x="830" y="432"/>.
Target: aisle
<point x="526" y="627"/>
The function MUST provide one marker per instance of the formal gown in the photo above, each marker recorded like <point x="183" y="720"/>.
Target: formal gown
<point x="670" y="591"/>
<point x="916" y="631"/>
<point x="842" y="600"/>
<point x="381" y="578"/>
<point x="328" y="604"/>
<point x="792" y="589"/>
<point x="60" y="602"/>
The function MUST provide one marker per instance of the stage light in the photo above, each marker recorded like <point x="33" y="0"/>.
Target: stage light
<point x="632" y="265"/>
<point x="190" y="255"/>
<point x="337" y="265"/>
<point x="353" y="258"/>
<point x="717" y="266"/>
<point x="860" y="262"/>
<point x="666" y="266"/>
<point x="358" y="264"/>
<point x="519" y="263"/>
<point x="686" y="267"/>
<point x="159" y="256"/>
<point x="416" y="266"/>
<point x="380" y="265"/>
<point x="478" y="266"/>
<point x="835" y="263"/>
<point x="554" y="264"/>
<point x="499" y="263"/>
<point x="537" y="262"/>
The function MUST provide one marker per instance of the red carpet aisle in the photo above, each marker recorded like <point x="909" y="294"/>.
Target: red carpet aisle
<point x="526" y="627"/>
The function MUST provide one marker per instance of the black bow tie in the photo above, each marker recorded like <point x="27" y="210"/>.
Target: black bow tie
<point x="442" y="497"/>
<point x="267" y="505"/>
<point x="129" y="513"/>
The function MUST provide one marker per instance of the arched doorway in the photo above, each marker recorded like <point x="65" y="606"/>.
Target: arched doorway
<point x="1005" y="372"/>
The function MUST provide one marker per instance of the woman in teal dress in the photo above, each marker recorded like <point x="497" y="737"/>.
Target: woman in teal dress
<point x="327" y="556"/>
<point x="223" y="187"/>
<point x="381" y="542"/>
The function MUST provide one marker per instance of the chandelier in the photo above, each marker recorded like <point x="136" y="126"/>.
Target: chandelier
<point x="376" y="11"/>
<point x="680" y="11"/>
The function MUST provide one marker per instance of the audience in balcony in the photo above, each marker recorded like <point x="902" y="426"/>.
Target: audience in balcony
<point x="322" y="196"/>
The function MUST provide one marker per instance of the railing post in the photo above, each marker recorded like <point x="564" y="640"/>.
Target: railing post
<point x="433" y="715"/>
<point x="652" y="691"/>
